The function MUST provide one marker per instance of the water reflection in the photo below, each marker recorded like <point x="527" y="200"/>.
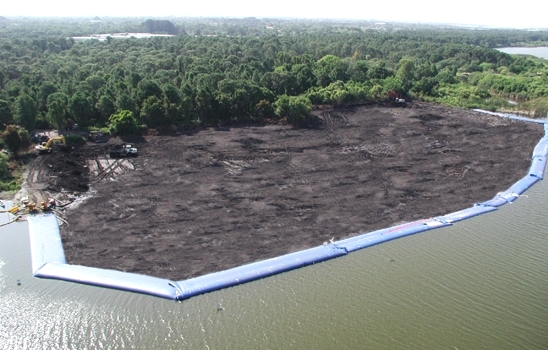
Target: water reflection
<point x="482" y="283"/>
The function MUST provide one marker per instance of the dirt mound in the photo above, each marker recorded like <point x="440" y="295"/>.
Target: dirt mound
<point x="215" y="199"/>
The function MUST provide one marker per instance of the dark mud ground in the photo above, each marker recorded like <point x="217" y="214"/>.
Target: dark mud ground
<point x="209" y="200"/>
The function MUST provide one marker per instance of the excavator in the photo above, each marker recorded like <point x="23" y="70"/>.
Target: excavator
<point x="48" y="146"/>
<point x="394" y="97"/>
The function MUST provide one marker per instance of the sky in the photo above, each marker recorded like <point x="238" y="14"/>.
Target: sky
<point x="501" y="14"/>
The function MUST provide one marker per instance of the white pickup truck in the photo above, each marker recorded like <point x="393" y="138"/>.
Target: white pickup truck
<point x="124" y="150"/>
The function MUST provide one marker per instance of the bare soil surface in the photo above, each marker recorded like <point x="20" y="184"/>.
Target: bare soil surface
<point x="213" y="199"/>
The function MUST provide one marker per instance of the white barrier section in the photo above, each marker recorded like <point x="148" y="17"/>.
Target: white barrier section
<point x="130" y="282"/>
<point x="48" y="259"/>
<point x="511" y="116"/>
<point x="45" y="240"/>
<point x="6" y="217"/>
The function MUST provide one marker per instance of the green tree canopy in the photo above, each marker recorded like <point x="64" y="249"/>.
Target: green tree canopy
<point x="330" y="68"/>
<point x="57" y="109"/>
<point x="123" y="123"/>
<point x="26" y="111"/>
<point x="295" y="108"/>
<point x="80" y="108"/>
<point x="15" y="138"/>
<point x="5" y="112"/>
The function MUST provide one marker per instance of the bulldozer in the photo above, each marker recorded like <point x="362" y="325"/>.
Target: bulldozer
<point x="48" y="146"/>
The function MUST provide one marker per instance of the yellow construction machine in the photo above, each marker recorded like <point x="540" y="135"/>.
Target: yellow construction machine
<point x="48" y="146"/>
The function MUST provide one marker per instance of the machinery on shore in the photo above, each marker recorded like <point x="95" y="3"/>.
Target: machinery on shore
<point x="122" y="151"/>
<point x="394" y="97"/>
<point x="48" y="146"/>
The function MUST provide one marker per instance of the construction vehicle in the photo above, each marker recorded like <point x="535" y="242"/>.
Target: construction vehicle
<point x="97" y="137"/>
<point x="124" y="150"/>
<point x="49" y="205"/>
<point x="48" y="146"/>
<point x="394" y="97"/>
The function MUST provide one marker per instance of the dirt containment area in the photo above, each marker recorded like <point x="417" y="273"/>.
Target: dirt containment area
<point x="208" y="200"/>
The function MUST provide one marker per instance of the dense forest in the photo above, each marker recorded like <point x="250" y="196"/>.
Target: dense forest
<point x="224" y="71"/>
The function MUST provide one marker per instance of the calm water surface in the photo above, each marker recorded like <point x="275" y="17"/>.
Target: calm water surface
<point x="481" y="284"/>
<point x="541" y="52"/>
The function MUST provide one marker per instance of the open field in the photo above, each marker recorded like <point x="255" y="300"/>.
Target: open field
<point x="213" y="199"/>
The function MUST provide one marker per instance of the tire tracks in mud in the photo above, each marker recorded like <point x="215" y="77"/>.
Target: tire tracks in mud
<point x="103" y="168"/>
<point x="331" y="123"/>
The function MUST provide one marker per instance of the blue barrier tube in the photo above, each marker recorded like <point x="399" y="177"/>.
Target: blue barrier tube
<point x="538" y="164"/>
<point x="465" y="214"/>
<point x="110" y="279"/>
<point x="48" y="259"/>
<point x="368" y="239"/>
<point x="258" y="270"/>
<point x="497" y="201"/>
<point x="541" y="149"/>
<point x="45" y="240"/>
<point x="518" y="188"/>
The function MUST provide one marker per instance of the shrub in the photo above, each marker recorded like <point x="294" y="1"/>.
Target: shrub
<point x="75" y="140"/>
<point x="4" y="170"/>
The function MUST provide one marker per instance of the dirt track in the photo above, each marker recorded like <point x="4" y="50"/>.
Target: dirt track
<point x="218" y="198"/>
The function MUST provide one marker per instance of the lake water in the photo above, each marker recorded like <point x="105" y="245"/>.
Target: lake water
<point x="481" y="284"/>
<point x="541" y="52"/>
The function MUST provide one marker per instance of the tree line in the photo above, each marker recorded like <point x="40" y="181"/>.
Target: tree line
<point x="232" y="71"/>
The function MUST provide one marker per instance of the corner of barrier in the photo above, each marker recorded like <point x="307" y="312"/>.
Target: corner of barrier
<point x="45" y="240"/>
<point x="518" y="188"/>
<point x="111" y="279"/>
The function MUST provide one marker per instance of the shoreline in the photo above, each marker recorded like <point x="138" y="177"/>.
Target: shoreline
<point x="234" y="196"/>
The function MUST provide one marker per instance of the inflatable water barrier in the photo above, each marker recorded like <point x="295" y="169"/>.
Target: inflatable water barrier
<point x="48" y="258"/>
<point x="465" y="214"/>
<point x="45" y="241"/>
<point x="541" y="149"/>
<point x="538" y="164"/>
<point x="510" y="116"/>
<point x="258" y="270"/>
<point x="518" y="188"/>
<point x="130" y="282"/>
<point x="388" y="234"/>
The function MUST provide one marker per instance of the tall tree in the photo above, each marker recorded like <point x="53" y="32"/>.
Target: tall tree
<point x="81" y="109"/>
<point x="123" y="123"/>
<point x="5" y="113"/>
<point x="15" y="138"/>
<point x="26" y="111"/>
<point x="105" y="106"/>
<point x="57" y="109"/>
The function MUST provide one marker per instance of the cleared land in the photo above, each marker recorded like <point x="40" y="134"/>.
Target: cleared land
<point x="213" y="199"/>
